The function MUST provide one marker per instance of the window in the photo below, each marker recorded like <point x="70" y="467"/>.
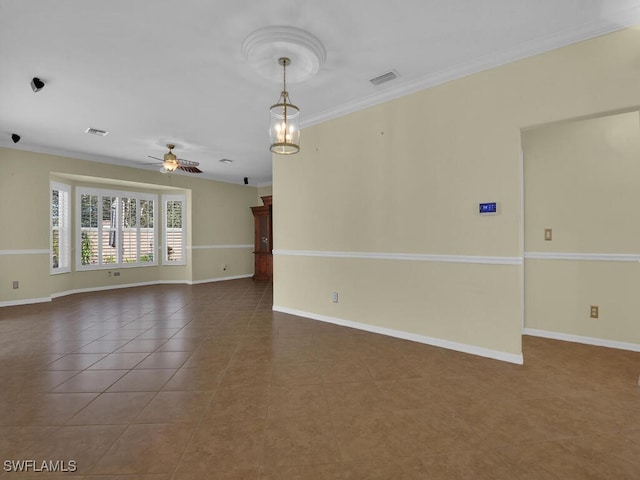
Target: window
<point x="175" y="240"/>
<point x="60" y="236"/>
<point x="115" y="229"/>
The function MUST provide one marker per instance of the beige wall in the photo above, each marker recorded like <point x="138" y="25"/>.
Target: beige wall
<point x="581" y="180"/>
<point x="220" y="225"/>
<point x="263" y="192"/>
<point x="406" y="177"/>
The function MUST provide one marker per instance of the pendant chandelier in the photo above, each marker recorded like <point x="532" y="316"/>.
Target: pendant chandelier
<point x="284" y="130"/>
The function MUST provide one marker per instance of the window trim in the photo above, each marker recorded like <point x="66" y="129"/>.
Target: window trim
<point x="119" y="194"/>
<point x="165" y="257"/>
<point x="64" y="229"/>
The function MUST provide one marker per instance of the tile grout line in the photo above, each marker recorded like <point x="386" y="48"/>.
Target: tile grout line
<point x="202" y="416"/>
<point x="261" y="465"/>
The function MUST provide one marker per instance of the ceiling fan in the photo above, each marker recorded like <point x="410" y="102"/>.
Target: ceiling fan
<point x="170" y="162"/>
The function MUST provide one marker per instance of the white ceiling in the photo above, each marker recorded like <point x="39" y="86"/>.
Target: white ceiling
<point x="153" y="72"/>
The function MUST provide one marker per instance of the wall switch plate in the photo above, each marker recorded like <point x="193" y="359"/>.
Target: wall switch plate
<point x="334" y="297"/>
<point x="16" y="284"/>
<point x="548" y="234"/>
<point x="594" y="311"/>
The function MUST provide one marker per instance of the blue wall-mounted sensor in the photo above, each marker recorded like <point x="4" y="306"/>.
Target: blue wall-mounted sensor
<point x="488" y="208"/>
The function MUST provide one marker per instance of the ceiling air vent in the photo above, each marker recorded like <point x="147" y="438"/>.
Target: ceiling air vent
<point x="226" y="161"/>
<point x="96" y="131"/>
<point x="385" y="77"/>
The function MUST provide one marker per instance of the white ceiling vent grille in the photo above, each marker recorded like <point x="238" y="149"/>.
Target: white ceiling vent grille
<point x="385" y="77"/>
<point x="96" y="131"/>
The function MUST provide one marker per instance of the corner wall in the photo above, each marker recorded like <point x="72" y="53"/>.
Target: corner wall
<point x="402" y="181"/>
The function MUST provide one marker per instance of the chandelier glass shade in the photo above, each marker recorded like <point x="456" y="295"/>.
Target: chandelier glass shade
<point x="284" y="129"/>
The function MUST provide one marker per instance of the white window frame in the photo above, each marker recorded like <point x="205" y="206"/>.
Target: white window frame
<point x="63" y="228"/>
<point x="165" y="230"/>
<point x="119" y="262"/>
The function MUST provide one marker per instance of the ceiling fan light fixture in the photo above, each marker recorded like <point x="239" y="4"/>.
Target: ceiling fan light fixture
<point x="170" y="162"/>
<point x="169" y="167"/>
<point x="284" y="129"/>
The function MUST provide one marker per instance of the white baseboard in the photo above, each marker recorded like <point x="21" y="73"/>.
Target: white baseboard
<point x="568" y="337"/>
<point x="114" y="287"/>
<point x="27" y="301"/>
<point x="221" y="279"/>
<point x="436" y="342"/>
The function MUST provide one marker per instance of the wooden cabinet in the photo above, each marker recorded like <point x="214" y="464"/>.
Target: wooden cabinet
<point x="263" y="240"/>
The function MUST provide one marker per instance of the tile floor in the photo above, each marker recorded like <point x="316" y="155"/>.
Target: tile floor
<point x="206" y="382"/>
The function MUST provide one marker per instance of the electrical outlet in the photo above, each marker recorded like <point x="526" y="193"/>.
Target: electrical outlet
<point x="334" y="297"/>
<point x="548" y="234"/>
<point x="594" y="311"/>
<point x="224" y="267"/>
<point x="16" y="284"/>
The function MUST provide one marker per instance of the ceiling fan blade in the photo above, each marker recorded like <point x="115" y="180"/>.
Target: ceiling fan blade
<point x="187" y="163"/>
<point x="189" y="169"/>
<point x="156" y="158"/>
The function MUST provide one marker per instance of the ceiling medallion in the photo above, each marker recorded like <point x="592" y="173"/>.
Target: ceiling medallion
<point x="263" y="49"/>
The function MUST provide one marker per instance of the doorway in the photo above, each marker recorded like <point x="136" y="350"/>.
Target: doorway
<point x="582" y="230"/>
